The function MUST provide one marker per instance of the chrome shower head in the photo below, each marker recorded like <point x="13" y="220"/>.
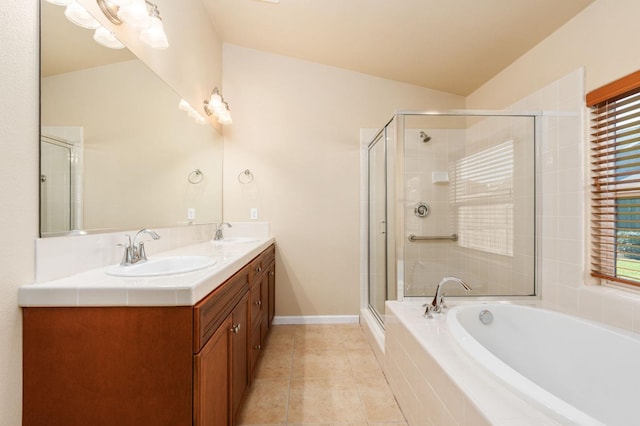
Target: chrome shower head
<point x="425" y="137"/>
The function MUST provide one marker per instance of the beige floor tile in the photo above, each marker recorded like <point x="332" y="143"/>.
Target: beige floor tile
<point x="363" y="363"/>
<point x="318" y="337"/>
<point x="320" y="363"/>
<point x="274" y="363"/>
<point x="379" y="402"/>
<point x="325" y="401"/>
<point x="266" y="403"/>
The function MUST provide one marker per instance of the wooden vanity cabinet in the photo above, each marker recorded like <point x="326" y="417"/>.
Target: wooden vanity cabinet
<point x="173" y="365"/>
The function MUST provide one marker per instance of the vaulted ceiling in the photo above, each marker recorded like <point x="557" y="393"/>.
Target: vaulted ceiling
<point x="449" y="45"/>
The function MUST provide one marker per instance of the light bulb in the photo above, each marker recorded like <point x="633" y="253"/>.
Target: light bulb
<point x="225" y="119"/>
<point x="184" y="105"/>
<point x="154" y="35"/>
<point x="79" y="16"/>
<point x="106" y="38"/>
<point x="60" y="2"/>
<point x="215" y="101"/>
<point x="135" y="14"/>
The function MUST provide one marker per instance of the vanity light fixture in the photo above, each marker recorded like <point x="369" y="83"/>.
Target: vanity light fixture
<point x="139" y="14"/>
<point x="106" y="38"/>
<point x="191" y="112"/>
<point x="79" y="16"/>
<point x="217" y="106"/>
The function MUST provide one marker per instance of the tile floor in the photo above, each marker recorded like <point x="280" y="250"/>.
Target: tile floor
<point x="319" y="375"/>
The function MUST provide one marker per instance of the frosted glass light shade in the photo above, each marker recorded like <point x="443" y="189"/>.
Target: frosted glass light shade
<point x="121" y="2"/>
<point x="135" y="14"/>
<point x="106" y="38"/>
<point x="154" y="35"/>
<point x="79" y="16"/>
<point x="60" y="2"/>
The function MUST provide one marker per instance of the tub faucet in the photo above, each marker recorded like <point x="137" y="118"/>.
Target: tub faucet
<point x="219" y="235"/>
<point x="134" y="251"/>
<point x="437" y="304"/>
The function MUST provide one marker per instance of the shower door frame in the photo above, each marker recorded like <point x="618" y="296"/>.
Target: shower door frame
<point x="398" y="197"/>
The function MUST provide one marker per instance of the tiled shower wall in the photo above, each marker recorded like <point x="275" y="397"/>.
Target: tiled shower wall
<point x="563" y="215"/>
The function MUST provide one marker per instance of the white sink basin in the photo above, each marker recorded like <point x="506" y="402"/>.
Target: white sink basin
<point x="163" y="266"/>
<point x="236" y="240"/>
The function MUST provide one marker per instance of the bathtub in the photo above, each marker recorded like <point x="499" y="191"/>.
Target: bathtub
<point x="527" y="366"/>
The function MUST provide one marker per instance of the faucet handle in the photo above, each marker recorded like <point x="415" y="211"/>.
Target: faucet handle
<point x="142" y="254"/>
<point x="127" y="256"/>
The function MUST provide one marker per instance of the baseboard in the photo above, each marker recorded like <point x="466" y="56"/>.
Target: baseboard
<point x="316" y="319"/>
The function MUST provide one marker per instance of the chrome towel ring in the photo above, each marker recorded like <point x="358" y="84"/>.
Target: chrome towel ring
<point x="245" y="177"/>
<point x="195" y="176"/>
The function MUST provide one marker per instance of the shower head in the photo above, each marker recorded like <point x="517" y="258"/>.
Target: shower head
<point x="425" y="137"/>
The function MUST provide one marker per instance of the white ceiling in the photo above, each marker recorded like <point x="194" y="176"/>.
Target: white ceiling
<point x="449" y="45"/>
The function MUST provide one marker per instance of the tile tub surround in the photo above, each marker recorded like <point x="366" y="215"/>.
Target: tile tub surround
<point x="319" y="374"/>
<point x="435" y="382"/>
<point x="96" y="288"/>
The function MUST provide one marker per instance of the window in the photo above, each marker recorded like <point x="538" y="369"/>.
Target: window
<point x="483" y="193"/>
<point x="615" y="180"/>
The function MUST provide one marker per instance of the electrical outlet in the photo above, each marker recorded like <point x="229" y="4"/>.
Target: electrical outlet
<point x="254" y="213"/>
<point x="191" y="213"/>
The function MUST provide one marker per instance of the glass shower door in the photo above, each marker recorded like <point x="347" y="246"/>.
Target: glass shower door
<point x="377" y="189"/>
<point x="55" y="186"/>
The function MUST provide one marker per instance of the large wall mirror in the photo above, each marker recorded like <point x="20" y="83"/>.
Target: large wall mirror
<point x="116" y="152"/>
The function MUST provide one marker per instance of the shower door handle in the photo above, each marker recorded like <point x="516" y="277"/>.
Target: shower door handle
<point x="383" y="227"/>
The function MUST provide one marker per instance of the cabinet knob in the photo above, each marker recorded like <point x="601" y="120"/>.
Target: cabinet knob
<point x="271" y="273"/>
<point x="258" y="269"/>
<point x="258" y="302"/>
<point x="258" y="347"/>
<point x="235" y="329"/>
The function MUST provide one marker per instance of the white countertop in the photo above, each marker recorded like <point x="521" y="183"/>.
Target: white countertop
<point x="96" y="288"/>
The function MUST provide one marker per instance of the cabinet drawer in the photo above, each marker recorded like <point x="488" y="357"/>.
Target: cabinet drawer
<point x="258" y="266"/>
<point x="211" y="311"/>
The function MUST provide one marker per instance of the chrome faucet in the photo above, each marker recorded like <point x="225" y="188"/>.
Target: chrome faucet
<point x="437" y="304"/>
<point x="134" y="251"/>
<point x="219" y="235"/>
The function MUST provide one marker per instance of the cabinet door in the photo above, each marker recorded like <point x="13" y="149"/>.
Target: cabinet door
<point x="211" y="384"/>
<point x="239" y="347"/>
<point x="264" y="290"/>
<point x="271" y="308"/>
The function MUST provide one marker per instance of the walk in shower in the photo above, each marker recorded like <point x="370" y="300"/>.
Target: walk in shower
<point x="451" y="194"/>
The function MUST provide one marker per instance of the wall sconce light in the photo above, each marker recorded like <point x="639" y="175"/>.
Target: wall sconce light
<point x="217" y="106"/>
<point x="191" y="112"/>
<point x="79" y="16"/>
<point x="139" y="14"/>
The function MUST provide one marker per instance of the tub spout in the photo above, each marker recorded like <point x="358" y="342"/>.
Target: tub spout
<point x="437" y="304"/>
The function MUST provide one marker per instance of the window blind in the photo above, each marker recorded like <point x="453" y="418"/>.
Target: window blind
<point x="482" y="191"/>
<point x="615" y="180"/>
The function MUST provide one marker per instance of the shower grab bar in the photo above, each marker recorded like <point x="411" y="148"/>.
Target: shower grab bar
<point x="414" y="238"/>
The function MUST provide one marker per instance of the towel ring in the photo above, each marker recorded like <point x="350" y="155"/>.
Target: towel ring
<point x="195" y="176"/>
<point x="245" y="177"/>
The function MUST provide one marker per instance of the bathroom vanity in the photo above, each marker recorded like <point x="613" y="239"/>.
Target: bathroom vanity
<point x="161" y="364"/>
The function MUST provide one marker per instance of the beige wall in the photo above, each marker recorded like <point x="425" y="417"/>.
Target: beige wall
<point x="18" y="188"/>
<point x="296" y="127"/>
<point x="139" y="148"/>
<point x="606" y="27"/>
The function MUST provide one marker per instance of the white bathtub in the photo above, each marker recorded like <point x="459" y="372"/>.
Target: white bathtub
<point x="585" y="372"/>
<point x="529" y="366"/>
